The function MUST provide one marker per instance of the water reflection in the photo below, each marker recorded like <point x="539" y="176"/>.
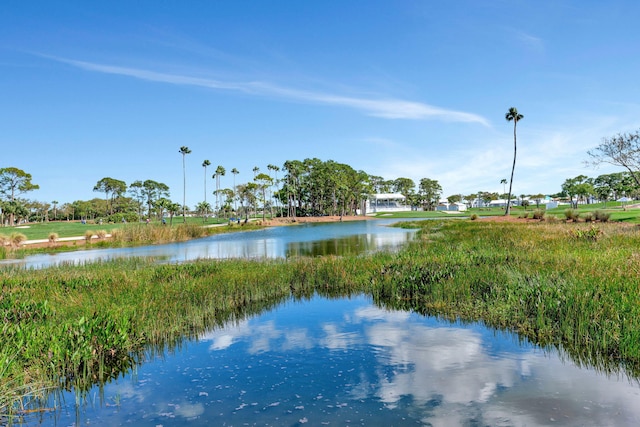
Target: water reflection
<point x="348" y="362"/>
<point x="351" y="237"/>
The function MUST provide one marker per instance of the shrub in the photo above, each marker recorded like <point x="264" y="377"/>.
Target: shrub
<point x="16" y="239"/>
<point x="473" y="217"/>
<point x="524" y="215"/>
<point x="53" y="237"/>
<point x="4" y="240"/>
<point x="571" y="215"/>
<point x="88" y="235"/>
<point x="588" y="217"/>
<point x="602" y="216"/>
<point x="538" y="214"/>
<point x="591" y="233"/>
<point x="551" y="219"/>
<point x="101" y="234"/>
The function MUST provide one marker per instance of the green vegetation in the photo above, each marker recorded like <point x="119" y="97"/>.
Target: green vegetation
<point x="568" y="285"/>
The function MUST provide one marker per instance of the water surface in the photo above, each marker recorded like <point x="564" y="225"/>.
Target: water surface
<point x="340" y="238"/>
<point x="340" y="362"/>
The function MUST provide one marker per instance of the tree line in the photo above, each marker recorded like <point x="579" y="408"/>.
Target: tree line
<point x="307" y="187"/>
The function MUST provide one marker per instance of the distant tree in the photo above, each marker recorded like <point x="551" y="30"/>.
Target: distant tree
<point x="184" y="150"/>
<point x="404" y="186"/>
<point x="503" y="181"/>
<point x="429" y="191"/>
<point x="264" y="181"/>
<point x="579" y="187"/>
<point x="454" y="198"/>
<point x="153" y="191"/>
<point x="113" y="187"/>
<point x="512" y="115"/>
<point x="55" y="209"/>
<point x="220" y="171"/>
<point x="204" y="165"/>
<point x="621" y="150"/>
<point x="538" y="198"/>
<point x="235" y="172"/>
<point x="14" y="182"/>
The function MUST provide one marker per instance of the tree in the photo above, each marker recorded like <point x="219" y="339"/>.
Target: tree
<point x="622" y="150"/>
<point x="512" y="115"/>
<point x="503" y="181"/>
<point x="184" y="151"/>
<point x="204" y="165"/>
<point x="13" y="182"/>
<point x="235" y="172"/>
<point x="55" y="209"/>
<point x="264" y="181"/>
<point x="220" y="171"/>
<point x="429" y="191"/>
<point x="152" y="191"/>
<point x="580" y="187"/>
<point x="112" y="186"/>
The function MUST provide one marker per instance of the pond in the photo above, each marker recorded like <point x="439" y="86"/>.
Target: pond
<point x="339" y="238"/>
<point x="346" y="361"/>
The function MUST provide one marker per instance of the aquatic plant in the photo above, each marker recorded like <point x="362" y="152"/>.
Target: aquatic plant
<point x="95" y="321"/>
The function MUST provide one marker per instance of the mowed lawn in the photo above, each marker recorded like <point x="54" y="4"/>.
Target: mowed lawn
<point x="42" y="230"/>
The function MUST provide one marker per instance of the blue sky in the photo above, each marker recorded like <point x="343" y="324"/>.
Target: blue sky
<point x="415" y="89"/>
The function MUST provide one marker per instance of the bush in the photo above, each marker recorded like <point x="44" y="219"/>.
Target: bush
<point x="588" y="217"/>
<point x="101" y="234"/>
<point x="473" y="217"/>
<point x="538" y="214"/>
<point x="88" y="235"/>
<point x="16" y="239"/>
<point x="571" y="215"/>
<point x="53" y="237"/>
<point x="601" y="216"/>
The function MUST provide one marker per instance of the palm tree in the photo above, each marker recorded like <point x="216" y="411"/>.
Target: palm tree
<point x="184" y="151"/>
<point x="235" y="172"/>
<point x="204" y="165"/>
<point x="220" y="171"/>
<point x="55" y="209"/>
<point x="503" y="181"/>
<point x="512" y="114"/>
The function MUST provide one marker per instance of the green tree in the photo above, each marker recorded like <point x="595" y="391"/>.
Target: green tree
<point x="512" y="115"/>
<point x="220" y="171"/>
<point x="184" y="150"/>
<point x="204" y="165"/>
<point x="429" y="191"/>
<point x="153" y="191"/>
<point x="264" y="181"/>
<point x="503" y="181"/>
<point x="55" y="209"/>
<point x="235" y="172"/>
<point x="14" y="182"/>
<point x="113" y="187"/>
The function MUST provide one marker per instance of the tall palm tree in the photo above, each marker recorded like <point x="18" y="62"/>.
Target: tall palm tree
<point x="235" y="172"/>
<point x="184" y="150"/>
<point x="55" y="209"/>
<point x="512" y="115"/>
<point x="503" y="181"/>
<point x="220" y="171"/>
<point x="204" y="165"/>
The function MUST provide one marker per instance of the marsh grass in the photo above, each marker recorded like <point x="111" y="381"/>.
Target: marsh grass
<point x="85" y="325"/>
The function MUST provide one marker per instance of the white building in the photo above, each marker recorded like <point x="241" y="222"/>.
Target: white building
<point x="387" y="202"/>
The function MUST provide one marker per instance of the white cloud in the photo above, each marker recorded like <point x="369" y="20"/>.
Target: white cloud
<point x="384" y="108"/>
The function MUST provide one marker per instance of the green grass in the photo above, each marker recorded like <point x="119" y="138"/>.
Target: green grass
<point x="572" y="286"/>
<point x="42" y="230"/>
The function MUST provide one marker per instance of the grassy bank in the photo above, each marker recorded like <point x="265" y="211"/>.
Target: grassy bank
<point x="573" y="286"/>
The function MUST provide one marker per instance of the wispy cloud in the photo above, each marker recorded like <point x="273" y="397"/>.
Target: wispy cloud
<point x="384" y="108"/>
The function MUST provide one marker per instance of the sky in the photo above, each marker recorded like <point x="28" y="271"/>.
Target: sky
<point x="409" y="88"/>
